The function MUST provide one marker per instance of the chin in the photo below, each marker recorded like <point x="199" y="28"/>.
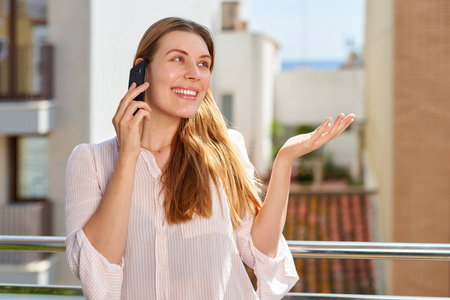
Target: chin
<point x="187" y="115"/>
<point x="188" y="112"/>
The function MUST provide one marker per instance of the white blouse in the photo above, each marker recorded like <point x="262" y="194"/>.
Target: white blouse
<point x="199" y="259"/>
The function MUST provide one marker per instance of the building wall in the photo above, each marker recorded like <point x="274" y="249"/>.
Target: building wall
<point x="408" y="133"/>
<point x="378" y="64"/>
<point x="69" y="32"/>
<point x="307" y="96"/>
<point x="266" y="67"/>
<point x="378" y="130"/>
<point x="421" y="134"/>
<point x="245" y="68"/>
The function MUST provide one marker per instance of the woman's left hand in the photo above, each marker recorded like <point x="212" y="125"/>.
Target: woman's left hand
<point x="304" y="143"/>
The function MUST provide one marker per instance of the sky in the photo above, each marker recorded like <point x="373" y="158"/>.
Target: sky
<point x="309" y="29"/>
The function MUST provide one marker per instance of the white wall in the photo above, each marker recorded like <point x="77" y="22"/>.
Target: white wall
<point x="116" y="29"/>
<point x="306" y="96"/>
<point x="233" y="74"/>
<point x="245" y="67"/>
<point x="265" y="69"/>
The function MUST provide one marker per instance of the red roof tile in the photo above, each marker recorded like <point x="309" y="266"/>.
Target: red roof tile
<point x="330" y="216"/>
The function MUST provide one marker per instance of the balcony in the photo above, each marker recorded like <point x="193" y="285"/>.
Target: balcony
<point x="26" y="90"/>
<point x="299" y="249"/>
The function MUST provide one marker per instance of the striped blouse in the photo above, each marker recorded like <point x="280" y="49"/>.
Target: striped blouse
<point x="199" y="259"/>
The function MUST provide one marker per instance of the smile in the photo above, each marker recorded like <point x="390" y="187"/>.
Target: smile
<point x="185" y="92"/>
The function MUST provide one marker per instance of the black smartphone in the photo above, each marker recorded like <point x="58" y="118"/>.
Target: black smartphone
<point x="137" y="74"/>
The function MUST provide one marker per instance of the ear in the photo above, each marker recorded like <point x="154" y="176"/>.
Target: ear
<point x="138" y="60"/>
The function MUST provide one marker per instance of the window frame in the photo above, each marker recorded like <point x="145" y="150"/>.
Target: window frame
<point x="14" y="161"/>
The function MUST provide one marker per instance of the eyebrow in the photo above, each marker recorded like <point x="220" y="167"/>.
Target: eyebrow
<point x="185" y="53"/>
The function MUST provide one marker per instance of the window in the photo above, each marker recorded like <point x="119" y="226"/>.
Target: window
<point x="29" y="167"/>
<point x="227" y="108"/>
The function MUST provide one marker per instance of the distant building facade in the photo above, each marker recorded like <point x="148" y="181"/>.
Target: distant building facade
<point x="305" y="96"/>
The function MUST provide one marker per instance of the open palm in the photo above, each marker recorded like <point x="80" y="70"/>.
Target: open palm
<point x="304" y="143"/>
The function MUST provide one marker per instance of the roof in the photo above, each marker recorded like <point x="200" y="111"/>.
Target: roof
<point x="330" y="215"/>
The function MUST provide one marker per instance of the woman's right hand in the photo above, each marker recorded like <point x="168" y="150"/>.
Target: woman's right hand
<point x="127" y="125"/>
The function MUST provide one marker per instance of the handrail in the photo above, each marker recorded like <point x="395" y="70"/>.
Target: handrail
<point x="322" y="296"/>
<point x="32" y="243"/>
<point x="370" y="250"/>
<point x="76" y="291"/>
<point x="301" y="249"/>
<point x="40" y="289"/>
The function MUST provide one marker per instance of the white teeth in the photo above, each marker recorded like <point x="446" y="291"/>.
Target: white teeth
<point x="185" y="92"/>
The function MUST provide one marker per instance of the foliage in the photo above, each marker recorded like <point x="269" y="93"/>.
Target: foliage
<point x="333" y="171"/>
<point x="305" y="173"/>
<point x="277" y="133"/>
<point x="304" y="129"/>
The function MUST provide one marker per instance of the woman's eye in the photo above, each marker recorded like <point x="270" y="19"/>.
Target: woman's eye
<point x="204" y="64"/>
<point x="179" y="58"/>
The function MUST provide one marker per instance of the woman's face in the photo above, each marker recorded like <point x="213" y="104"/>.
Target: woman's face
<point x="179" y="75"/>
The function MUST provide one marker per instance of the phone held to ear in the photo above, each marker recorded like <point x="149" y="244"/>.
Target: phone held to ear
<point x="137" y="74"/>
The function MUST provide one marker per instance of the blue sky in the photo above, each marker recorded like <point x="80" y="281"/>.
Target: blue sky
<point x="310" y="29"/>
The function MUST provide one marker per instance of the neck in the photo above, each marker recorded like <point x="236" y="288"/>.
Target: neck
<point x="158" y="134"/>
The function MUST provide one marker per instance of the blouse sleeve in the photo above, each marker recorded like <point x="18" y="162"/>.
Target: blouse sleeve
<point x="275" y="276"/>
<point x="99" y="278"/>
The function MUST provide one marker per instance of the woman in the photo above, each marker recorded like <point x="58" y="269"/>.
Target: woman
<point x="169" y="208"/>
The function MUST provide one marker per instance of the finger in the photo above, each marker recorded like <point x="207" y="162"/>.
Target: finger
<point x="139" y="116"/>
<point x="344" y="124"/>
<point x="335" y="126"/>
<point x="132" y="86"/>
<point x="347" y="123"/>
<point x="331" y="133"/>
<point x="133" y="107"/>
<point x="132" y="92"/>
<point x="317" y="134"/>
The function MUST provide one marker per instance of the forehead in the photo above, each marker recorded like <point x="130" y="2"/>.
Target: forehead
<point x="189" y="42"/>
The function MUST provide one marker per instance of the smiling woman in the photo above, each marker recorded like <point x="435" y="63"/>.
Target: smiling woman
<point x="170" y="208"/>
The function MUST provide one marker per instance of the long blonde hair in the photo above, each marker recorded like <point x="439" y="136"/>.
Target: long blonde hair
<point x="201" y="150"/>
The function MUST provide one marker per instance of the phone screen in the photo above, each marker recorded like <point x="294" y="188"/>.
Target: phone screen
<point x="137" y="74"/>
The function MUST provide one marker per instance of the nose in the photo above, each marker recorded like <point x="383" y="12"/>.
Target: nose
<point x="192" y="72"/>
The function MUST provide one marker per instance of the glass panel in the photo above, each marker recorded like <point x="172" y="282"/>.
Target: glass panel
<point x="32" y="170"/>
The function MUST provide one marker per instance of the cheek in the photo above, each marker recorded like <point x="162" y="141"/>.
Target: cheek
<point x="206" y="79"/>
<point x="163" y="76"/>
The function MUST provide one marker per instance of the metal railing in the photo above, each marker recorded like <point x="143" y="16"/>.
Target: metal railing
<point x="300" y="249"/>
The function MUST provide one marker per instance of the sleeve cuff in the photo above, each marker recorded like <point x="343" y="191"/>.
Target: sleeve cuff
<point x="261" y="258"/>
<point x="84" y="242"/>
<point x="283" y="259"/>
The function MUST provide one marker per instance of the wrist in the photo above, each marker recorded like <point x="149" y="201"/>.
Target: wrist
<point x="283" y="159"/>
<point x="127" y="158"/>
